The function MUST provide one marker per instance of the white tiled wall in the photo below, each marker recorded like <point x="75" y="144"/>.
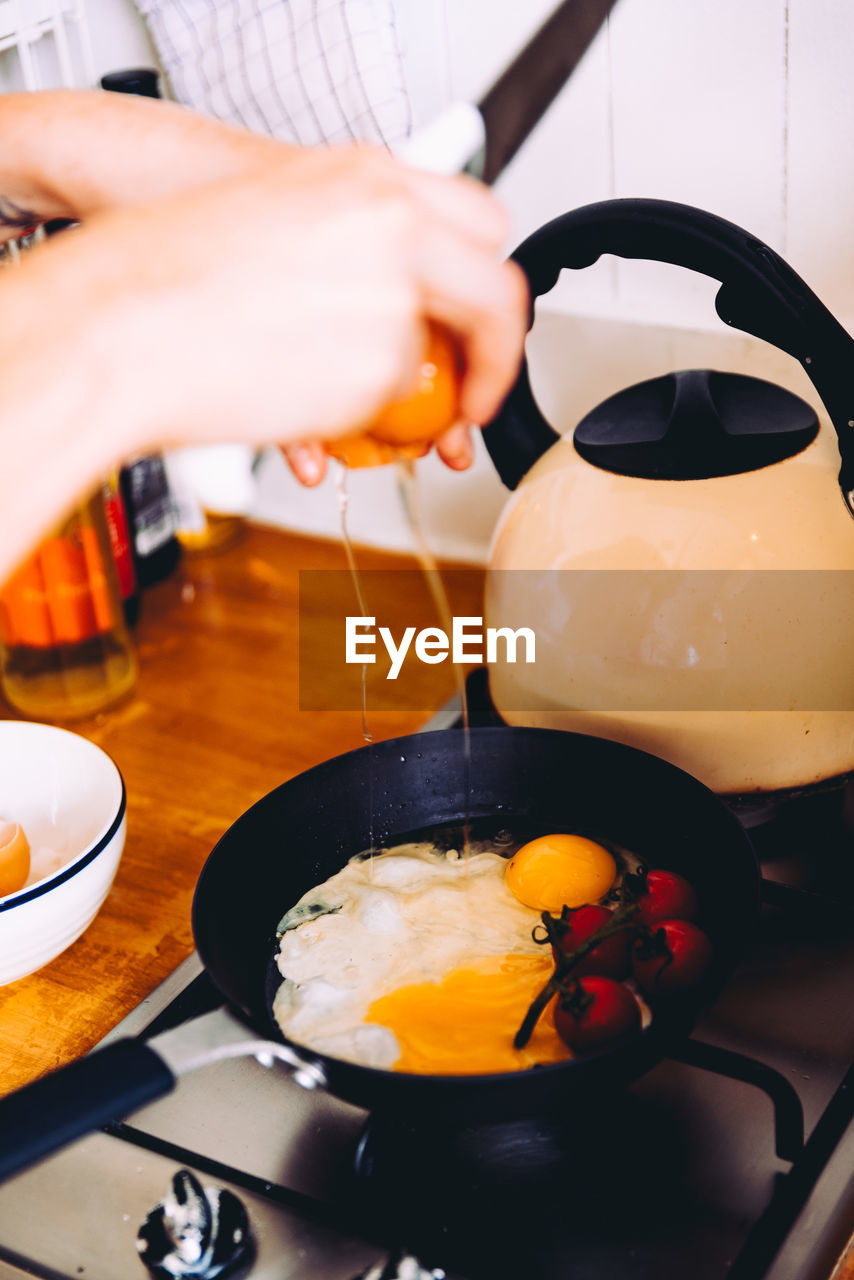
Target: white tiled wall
<point x="744" y="107"/>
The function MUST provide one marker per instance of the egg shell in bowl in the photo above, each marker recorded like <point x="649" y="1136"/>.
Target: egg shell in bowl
<point x="69" y="797"/>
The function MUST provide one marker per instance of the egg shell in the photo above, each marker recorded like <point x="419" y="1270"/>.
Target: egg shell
<point x="14" y="858"/>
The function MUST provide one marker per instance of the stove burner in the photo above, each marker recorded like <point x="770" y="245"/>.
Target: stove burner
<point x="601" y="1173"/>
<point x="503" y="1200"/>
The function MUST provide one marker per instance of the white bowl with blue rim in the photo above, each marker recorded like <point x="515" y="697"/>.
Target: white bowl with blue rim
<point x="69" y="797"/>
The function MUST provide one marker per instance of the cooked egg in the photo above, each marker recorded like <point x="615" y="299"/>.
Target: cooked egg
<point x="14" y="858"/>
<point x="444" y="937"/>
<point x="420" y="961"/>
<point x="464" y="1024"/>
<point x="560" y="871"/>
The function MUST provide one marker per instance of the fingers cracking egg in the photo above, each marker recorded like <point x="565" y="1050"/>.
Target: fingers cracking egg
<point x="560" y="871"/>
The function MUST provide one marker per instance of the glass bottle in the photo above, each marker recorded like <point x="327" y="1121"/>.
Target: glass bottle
<point x="65" y="652"/>
<point x="150" y="511"/>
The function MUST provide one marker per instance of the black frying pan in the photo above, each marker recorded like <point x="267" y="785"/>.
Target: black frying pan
<point x="529" y="781"/>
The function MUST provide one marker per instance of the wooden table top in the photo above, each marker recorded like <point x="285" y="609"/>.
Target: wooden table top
<point x="213" y="724"/>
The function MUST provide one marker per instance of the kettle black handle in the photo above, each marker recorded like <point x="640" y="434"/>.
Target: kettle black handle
<point x="760" y="294"/>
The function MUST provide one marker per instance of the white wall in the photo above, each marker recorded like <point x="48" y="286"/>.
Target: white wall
<point x="119" y="38"/>
<point x="743" y="109"/>
<point x="746" y="109"/>
<point x="101" y="36"/>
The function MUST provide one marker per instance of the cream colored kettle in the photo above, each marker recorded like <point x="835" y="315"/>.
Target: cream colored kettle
<point x="683" y="558"/>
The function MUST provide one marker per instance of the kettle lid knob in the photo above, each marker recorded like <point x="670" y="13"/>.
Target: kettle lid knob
<point x="695" y="424"/>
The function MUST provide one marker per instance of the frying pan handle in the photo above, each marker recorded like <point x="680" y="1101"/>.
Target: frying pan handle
<point x="760" y="294"/>
<point x="106" y="1085"/>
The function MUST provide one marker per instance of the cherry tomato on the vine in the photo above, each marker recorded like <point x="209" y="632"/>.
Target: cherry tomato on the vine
<point x="667" y="896"/>
<point x="611" y="1014"/>
<point x="675" y="959"/>
<point x="610" y="958"/>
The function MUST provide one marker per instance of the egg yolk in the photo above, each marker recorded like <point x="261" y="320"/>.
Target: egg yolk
<point x="14" y="858"/>
<point x="465" y="1024"/>
<point x="560" y="871"/>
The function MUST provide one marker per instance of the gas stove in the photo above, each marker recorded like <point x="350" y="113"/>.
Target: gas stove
<point x="733" y="1160"/>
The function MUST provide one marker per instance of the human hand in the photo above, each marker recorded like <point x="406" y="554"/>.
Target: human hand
<point x="71" y="153"/>
<point x="408" y="428"/>
<point x="80" y="153"/>
<point x="293" y="304"/>
<point x="308" y="459"/>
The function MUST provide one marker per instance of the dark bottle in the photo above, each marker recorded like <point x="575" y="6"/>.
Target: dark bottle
<point x="151" y="517"/>
<point x="144" y="484"/>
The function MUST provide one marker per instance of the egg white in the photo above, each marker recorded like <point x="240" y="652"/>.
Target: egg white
<point x="413" y="914"/>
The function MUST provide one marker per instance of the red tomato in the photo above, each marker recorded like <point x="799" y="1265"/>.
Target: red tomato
<point x="610" y="958"/>
<point x="682" y="958"/>
<point x="668" y="896"/>
<point x="611" y="1015"/>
